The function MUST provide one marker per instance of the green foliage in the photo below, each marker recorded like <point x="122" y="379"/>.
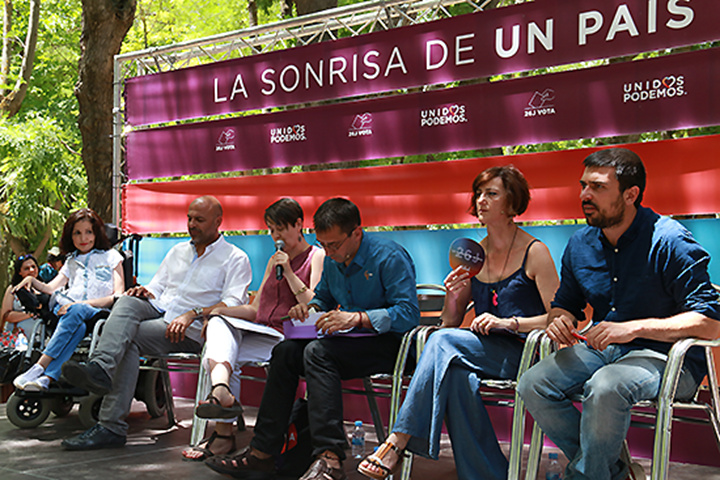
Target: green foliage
<point x="164" y="22"/>
<point x="40" y="180"/>
<point x="56" y="59"/>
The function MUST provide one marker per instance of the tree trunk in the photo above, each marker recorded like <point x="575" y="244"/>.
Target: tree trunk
<point x="11" y="103"/>
<point x="311" y="6"/>
<point x="105" y="24"/>
<point x="6" y="45"/>
<point x="253" y="13"/>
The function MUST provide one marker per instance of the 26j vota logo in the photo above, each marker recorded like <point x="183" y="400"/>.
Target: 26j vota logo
<point x="226" y="140"/>
<point x="361" y="125"/>
<point x="658" y="88"/>
<point x="291" y="133"/>
<point x="447" y="115"/>
<point x="541" y="104"/>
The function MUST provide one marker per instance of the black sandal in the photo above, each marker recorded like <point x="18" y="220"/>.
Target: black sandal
<point x="206" y="452"/>
<point x="213" y="408"/>
<point x="245" y="465"/>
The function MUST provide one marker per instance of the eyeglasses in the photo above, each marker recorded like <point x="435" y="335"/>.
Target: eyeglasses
<point x="22" y="258"/>
<point x="335" y="246"/>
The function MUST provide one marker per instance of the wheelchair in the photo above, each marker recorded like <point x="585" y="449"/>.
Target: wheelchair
<point x="30" y="409"/>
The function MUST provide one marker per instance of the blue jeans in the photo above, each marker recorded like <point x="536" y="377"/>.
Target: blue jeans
<point x="445" y="386"/>
<point x="610" y="382"/>
<point x="68" y="333"/>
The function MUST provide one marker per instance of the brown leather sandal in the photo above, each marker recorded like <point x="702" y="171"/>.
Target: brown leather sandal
<point x="243" y="465"/>
<point x="376" y="460"/>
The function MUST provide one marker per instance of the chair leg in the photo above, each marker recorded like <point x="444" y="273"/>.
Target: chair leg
<point x="200" y="424"/>
<point x="406" y="468"/>
<point x="536" y="444"/>
<point x="374" y="410"/>
<point x="167" y="388"/>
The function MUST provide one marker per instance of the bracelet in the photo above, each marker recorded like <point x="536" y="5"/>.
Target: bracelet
<point x="517" y="324"/>
<point x="302" y="290"/>
<point x="359" y="319"/>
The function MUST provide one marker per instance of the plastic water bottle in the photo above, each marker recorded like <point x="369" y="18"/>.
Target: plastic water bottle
<point x="554" y="470"/>
<point x="358" y="440"/>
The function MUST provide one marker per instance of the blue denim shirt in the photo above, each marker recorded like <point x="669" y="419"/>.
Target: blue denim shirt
<point x="380" y="281"/>
<point x="656" y="270"/>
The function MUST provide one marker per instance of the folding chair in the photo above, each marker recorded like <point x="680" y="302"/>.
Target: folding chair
<point x="664" y="408"/>
<point x="493" y="392"/>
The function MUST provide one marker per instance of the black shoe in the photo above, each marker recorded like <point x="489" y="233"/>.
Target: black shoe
<point x="90" y="377"/>
<point x="93" y="439"/>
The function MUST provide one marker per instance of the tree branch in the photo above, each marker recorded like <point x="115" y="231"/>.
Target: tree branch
<point x="12" y="102"/>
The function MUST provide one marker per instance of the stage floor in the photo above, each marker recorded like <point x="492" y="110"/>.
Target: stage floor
<point x="153" y="452"/>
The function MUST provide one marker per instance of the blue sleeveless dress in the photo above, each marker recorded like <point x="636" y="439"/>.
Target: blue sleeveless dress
<point x="517" y="295"/>
<point x="446" y="381"/>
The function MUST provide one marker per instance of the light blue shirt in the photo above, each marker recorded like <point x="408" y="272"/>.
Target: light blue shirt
<point x="380" y="281"/>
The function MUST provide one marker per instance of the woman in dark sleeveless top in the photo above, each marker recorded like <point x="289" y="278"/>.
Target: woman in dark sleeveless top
<point x="512" y="295"/>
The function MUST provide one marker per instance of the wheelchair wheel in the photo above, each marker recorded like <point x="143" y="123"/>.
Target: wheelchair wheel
<point x="151" y="392"/>
<point x="89" y="410"/>
<point x="61" y="406"/>
<point x="27" y="412"/>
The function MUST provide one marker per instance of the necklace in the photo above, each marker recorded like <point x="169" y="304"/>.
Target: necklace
<point x="507" y="257"/>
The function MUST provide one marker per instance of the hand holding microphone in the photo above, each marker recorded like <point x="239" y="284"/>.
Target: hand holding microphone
<point x="279" y="246"/>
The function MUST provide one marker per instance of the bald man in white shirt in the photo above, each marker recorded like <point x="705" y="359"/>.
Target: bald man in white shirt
<point x="165" y="316"/>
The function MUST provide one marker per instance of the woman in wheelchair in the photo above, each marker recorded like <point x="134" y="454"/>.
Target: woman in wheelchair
<point x="13" y="314"/>
<point x="90" y="279"/>
<point x="512" y="294"/>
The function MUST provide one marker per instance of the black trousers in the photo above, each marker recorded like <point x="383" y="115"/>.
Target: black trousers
<point x="324" y="363"/>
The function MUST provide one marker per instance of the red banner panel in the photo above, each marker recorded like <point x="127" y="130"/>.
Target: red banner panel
<point x="672" y="92"/>
<point x="510" y="39"/>
<point x="683" y="178"/>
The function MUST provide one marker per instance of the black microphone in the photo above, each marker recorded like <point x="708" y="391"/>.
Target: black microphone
<point x="279" y="245"/>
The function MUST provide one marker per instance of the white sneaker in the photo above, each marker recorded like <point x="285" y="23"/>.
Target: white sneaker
<point x="40" y="384"/>
<point x="31" y="375"/>
<point x="636" y="472"/>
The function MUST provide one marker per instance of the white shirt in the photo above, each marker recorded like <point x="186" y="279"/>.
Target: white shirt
<point x="90" y="275"/>
<point x="185" y="281"/>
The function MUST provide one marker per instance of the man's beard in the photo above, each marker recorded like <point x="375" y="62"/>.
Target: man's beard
<point x="601" y="220"/>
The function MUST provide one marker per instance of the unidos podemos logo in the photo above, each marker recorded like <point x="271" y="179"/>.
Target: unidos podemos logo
<point x="291" y="133"/>
<point x="658" y="88"/>
<point x="447" y="115"/>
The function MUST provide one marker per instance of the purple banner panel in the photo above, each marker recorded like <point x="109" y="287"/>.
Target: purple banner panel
<point x="508" y="39"/>
<point x="672" y="92"/>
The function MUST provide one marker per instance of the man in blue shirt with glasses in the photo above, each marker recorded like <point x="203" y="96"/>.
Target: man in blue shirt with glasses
<point x="367" y="286"/>
<point x="646" y="279"/>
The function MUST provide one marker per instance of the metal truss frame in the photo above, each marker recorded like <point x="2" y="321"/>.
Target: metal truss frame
<point x="351" y="20"/>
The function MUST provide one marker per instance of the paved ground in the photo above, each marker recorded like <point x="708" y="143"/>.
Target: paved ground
<point x="153" y="452"/>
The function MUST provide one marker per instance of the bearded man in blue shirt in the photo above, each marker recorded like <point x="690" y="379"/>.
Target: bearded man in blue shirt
<point x="646" y="279"/>
<point x="367" y="286"/>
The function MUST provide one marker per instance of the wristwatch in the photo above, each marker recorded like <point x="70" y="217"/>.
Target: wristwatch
<point x="198" y="311"/>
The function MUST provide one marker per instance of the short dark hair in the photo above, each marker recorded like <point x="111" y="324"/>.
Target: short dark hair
<point x="629" y="168"/>
<point x="285" y="212"/>
<point x="516" y="186"/>
<point x="101" y="239"/>
<point x="17" y="265"/>
<point x="337" y="211"/>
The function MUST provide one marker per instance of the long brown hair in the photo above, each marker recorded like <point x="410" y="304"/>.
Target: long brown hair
<point x="101" y="239"/>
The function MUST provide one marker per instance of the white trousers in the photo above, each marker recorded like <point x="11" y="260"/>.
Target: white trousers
<point x="227" y="344"/>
